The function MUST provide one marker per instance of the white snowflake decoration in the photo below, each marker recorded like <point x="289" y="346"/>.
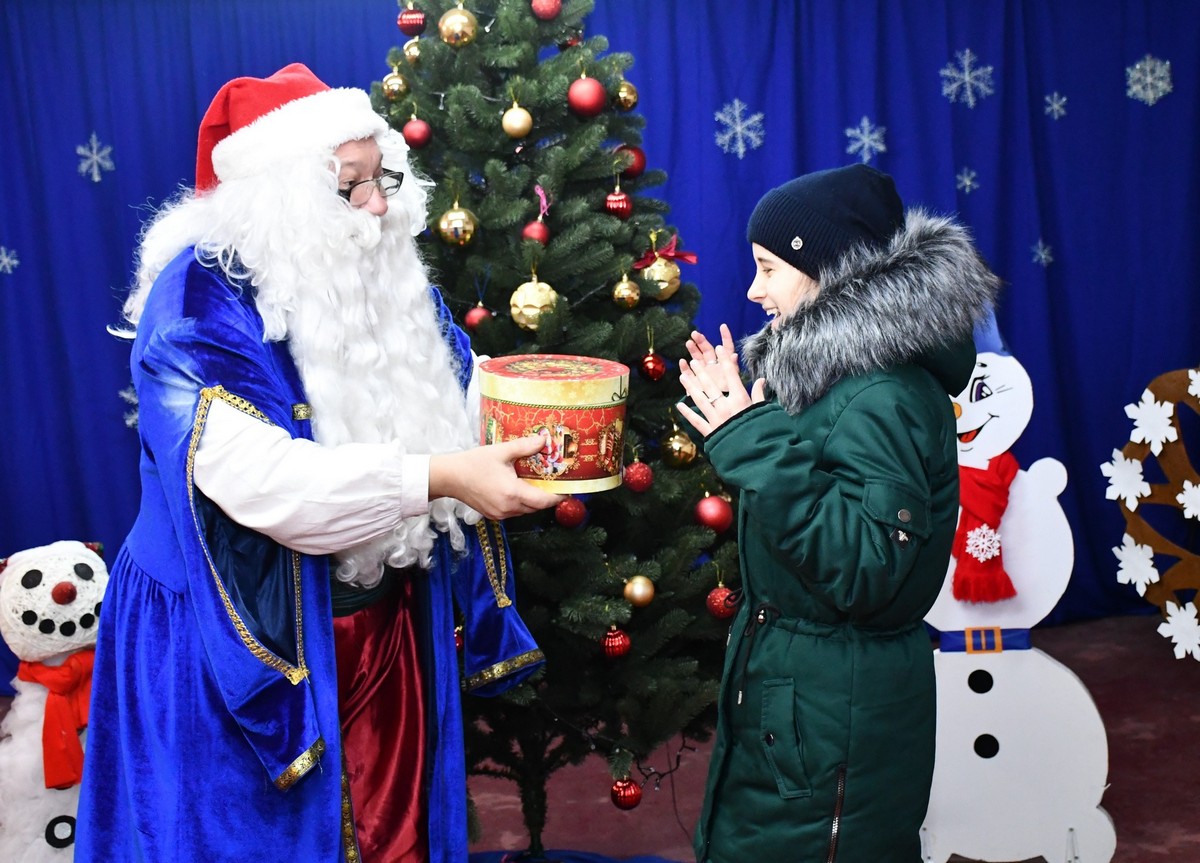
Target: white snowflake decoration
<point x="1194" y="383"/>
<point x="1042" y="254"/>
<point x="1152" y="422"/>
<point x="95" y="158"/>
<point x="1056" y="105"/>
<point x="983" y="543"/>
<point x="966" y="82"/>
<point x="1189" y="499"/>
<point x="1136" y="565"/>
<point x="8" y="260"/>
<point x="740" y="133"/>
<point x="1182" y="627"/>
<point x="965" y="181"/>
<point x="1148" y="80"/>
<point x="1125" y="480"/>
<point x="866" y="140"/>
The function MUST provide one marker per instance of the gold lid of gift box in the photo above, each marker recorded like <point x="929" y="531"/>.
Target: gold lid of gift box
<point x="579" y="401"/>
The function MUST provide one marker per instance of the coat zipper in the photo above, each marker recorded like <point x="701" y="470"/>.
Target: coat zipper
<point x="837" y="814"/>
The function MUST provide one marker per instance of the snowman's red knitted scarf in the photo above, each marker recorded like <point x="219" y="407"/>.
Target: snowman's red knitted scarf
<point x="979" y="574"/>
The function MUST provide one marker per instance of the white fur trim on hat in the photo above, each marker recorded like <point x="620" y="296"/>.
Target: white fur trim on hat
<point x="312" y="125"/>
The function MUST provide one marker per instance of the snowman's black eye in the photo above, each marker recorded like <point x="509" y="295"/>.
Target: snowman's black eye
<point x="31" y="579"/>
<point x="980" y="389"/>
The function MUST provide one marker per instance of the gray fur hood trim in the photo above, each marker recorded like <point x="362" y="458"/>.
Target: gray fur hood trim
<point x="877" y="308"/>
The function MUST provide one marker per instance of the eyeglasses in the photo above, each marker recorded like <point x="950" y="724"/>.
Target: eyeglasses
<point x="388" y="183"/>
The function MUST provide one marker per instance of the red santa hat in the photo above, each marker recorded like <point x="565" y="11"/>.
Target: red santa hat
<point x="256" y="122"/>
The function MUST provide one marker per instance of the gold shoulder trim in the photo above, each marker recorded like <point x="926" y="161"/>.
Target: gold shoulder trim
<point x="503" y="669"/>
<point x="307" y="761"/>
<point x="494" y="559"/>
<point x="294" y="673"/>
<point x="301" y="411"/>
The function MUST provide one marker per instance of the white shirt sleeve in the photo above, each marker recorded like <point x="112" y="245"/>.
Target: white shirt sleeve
<point x="308" y="497"/>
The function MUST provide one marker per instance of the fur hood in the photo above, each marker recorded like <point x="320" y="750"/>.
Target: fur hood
<point x="877" y="308"/>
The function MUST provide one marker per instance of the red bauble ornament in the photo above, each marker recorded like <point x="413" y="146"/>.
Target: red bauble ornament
<point x="570" y="512"/>
<point x="637" y="160"/>
<point x="719" y="605"/>
<point x="626" y="794"/>
<point x="638" y="476"/>
<point x="546" y="10"/>
<point x="536" y="230"/>
<point x="571" y="41"/>
<point x="417" y="133"/>
<point x="411" y="22"/>
<point x="714" y="512"/>
<point x="476" y="316"/>
<point x="586" y="97"/>
<point x="652" y="366"/>
<point x="458" y="638"/>
<point x="619" y="204"/>
<point x="616" y="642"/>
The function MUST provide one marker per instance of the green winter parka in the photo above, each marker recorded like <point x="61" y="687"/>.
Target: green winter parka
<point x="848" y="481"/>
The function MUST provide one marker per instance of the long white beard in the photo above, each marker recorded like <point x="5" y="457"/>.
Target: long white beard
<point x="350" y="294"/>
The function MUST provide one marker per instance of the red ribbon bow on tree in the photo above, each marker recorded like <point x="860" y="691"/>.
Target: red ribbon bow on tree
<point x="668" y="251"/>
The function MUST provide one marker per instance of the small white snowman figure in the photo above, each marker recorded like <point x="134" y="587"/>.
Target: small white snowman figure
<point x="1022" y="754"/>
<point x="49" y="607"/>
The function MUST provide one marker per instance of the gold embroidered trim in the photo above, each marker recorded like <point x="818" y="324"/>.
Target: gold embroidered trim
<point x="349" y="835"/>
<point x="302" y="411"/>
<point x="503" y="669"/>
<point x="498" y="579"/>
<point x="307" y="760"/>
<point x="293" y="673"/>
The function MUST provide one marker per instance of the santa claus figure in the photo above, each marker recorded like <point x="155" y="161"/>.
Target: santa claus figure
<point x="276" y="667"/>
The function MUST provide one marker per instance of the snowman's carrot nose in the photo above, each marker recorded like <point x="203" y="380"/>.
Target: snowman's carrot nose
<point x="957" y="410"/>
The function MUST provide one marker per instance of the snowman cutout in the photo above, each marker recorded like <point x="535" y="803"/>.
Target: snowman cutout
<point x="1022" y="754"/>
<point x="49" y="607"/>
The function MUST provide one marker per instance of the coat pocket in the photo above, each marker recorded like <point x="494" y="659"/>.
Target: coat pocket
<point x="781" y="740"/>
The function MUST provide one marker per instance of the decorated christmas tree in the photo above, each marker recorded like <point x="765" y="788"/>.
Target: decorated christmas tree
<point x="543" y="241"/>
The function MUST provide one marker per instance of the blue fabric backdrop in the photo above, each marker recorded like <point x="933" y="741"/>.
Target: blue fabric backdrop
<point x="100" y="101"/>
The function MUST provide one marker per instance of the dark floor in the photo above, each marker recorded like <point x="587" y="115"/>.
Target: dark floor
<point x="1150" y="703"/>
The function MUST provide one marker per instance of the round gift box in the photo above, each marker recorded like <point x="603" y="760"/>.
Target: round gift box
<point x="579" y="401"/>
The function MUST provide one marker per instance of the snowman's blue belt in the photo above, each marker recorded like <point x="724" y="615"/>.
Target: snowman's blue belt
<point x="986" y="639"/>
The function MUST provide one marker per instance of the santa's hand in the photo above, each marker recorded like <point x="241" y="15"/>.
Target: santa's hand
<point x="484" y="478"/>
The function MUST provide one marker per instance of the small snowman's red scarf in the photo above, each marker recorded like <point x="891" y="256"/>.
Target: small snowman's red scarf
<point x="70" y="690"/>
<point x="983" y="494"/>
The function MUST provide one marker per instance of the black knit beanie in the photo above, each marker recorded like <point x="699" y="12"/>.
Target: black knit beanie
<point x="812" y="221"/>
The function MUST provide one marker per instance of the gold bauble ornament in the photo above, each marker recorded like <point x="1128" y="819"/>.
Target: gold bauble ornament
<point x="457" y="225"/>
<point x="627" y="96"/>
<point x="395" y="85"/>
<point x="412" y="50"/>
<point x="639" y="590"/>
<point x="458" y="27"/>
<point x="665" y="274"/>
<point x="626" y="292"/>
<point x="530" y="301"/>
<point x="678" y="450"/>
<point x="517" y="122"/>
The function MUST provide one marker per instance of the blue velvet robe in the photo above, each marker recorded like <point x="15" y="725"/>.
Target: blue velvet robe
<point x="214" y="722"/>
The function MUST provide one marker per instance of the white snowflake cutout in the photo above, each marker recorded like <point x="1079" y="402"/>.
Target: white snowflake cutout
<point x="965" y="181"/>
<point x="1056" y="105"/>
<point x="1152" y="422"/>
<point x="1125" y="480"/>
<point x="8" y="260"/>
<point x="1189" y="499"/>
<point x="866" y="140"/>
<point x="740" y="133"/>
<point x="1194" y="383"/>
<point x="95" y="158"/>
<point x="1136" y="565"/>
<point x="983" y="543"/>
<point x="1148" y="80"/>
<point x="966" y="82"/>
<point x="1182" y="628"/>
<point x="1042" y="254"/>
